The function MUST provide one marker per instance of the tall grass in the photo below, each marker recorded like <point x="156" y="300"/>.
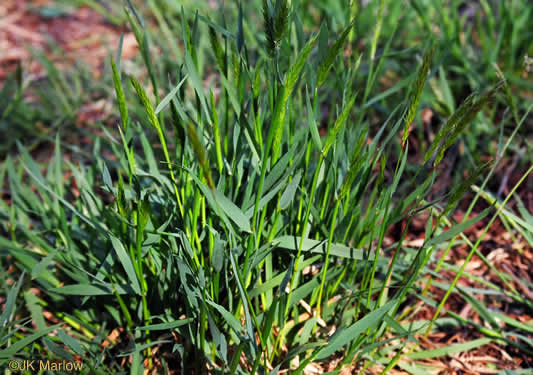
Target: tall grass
<point x="226" y="235"/>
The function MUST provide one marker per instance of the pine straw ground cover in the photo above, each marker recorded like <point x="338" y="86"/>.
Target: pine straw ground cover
<point x="272" y="187"/>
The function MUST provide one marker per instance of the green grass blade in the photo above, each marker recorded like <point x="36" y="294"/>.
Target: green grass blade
<point x="314" y="246"/>
<point x="127" y="263"/>
<point x="165" y="326"/>
<point x="12" y="350"/>
<point x="166" y="100"/>
<point x="351" y="333"/>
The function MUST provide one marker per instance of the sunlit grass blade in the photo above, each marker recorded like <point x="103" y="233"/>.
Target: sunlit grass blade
<point x="166" y="100"/>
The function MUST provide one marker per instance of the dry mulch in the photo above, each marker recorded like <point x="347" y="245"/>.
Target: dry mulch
<point x="81" y="34"/>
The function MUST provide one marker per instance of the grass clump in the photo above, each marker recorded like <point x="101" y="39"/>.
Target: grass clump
<point x="235" y="238"/>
